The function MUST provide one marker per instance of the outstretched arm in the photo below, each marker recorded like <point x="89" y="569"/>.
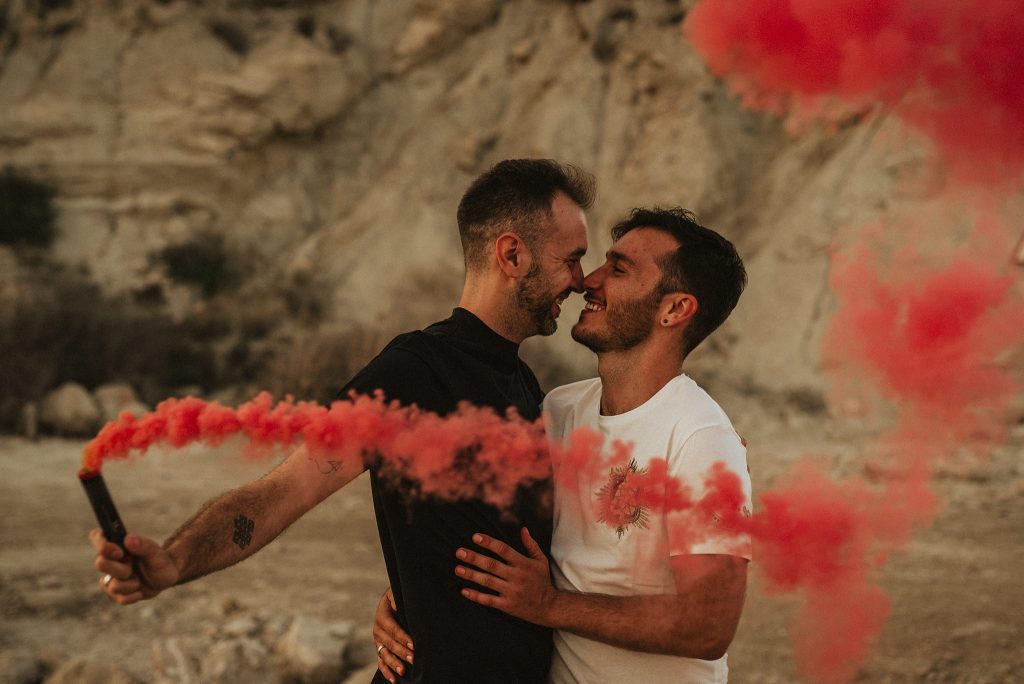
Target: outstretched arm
<point x="228" y="529"/>
<point x="697" y="622"/>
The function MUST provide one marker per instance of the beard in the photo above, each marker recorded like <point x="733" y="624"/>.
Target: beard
<point x="627" y="324"/>
<point x="534" y="301"/>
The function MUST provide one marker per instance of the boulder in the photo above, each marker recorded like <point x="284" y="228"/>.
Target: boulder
<point x="70" y="410"/>
<point x="314" y="650"/>
<point x="244" y="626"/>
<point x="115" y="398"/>
<point x="235" y="661"/>
<point x="175" y="660"/>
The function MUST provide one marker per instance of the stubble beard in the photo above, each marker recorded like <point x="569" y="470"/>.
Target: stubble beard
<point x="534" y="301"/>
<point x="628" y="323"/>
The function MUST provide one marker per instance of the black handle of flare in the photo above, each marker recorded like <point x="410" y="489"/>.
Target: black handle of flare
<point x="103" y="506"/>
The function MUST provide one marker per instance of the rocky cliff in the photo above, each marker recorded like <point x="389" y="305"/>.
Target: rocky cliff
<point x="311" y="155"/>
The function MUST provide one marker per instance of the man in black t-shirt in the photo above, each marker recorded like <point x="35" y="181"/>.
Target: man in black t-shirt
<point x="523" y="233"/>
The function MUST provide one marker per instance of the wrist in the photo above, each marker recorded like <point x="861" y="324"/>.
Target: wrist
<point x="176" y="557"/>
<point x="556" y="609"/>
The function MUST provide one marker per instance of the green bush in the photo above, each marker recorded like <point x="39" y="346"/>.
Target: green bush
<point x="27" y="214"/>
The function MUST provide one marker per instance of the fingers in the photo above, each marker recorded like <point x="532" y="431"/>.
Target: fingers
<point x="532" y="547"/>
<point x="103" y="547"/>
<point x="502" y="549"/>
<point x="388" y="633"/>
<point x="142" y="546"/>
<point x="481" y="598"/>
<point x="120" y="590"/>
<point x="389" y="664"/>
<point x="113" y="568"/>
<point x="491" y="565"/>
<point x="109" y="557"/>
<point x="481" y="578"/>
<point x="120" y="587"/>
<point x="391" y="599"/>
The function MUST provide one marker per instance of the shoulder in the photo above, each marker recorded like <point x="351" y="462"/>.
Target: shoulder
<point x="690" y="408"/>
<point x="561" y="400"/>
<point x="402" y="370"/>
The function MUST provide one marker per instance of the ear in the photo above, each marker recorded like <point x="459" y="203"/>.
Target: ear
<point x="677" y="308"/>
<point x="513" y="257"/>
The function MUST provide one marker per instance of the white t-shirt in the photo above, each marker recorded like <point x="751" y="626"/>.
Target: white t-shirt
<point x="685" y="426"/>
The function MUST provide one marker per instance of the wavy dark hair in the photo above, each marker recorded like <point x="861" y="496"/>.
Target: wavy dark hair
<point x="705" y="265"/>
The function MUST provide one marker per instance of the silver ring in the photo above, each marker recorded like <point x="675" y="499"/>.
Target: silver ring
<point x="106" y="580"/>
<point x="380" y="647"/>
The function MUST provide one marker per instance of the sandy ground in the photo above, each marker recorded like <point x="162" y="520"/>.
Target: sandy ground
<point x="958" y="599"/>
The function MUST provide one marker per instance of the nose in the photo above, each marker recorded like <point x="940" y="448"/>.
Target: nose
<point x="577" y="278"/>
<point x="594" y="280"/>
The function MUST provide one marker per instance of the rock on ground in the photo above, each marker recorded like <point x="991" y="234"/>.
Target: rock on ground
<point x="80" y="671"/>
<point x="115" y="398"/>
<point x="315" y="650"/>
<point x="70" y="410"/>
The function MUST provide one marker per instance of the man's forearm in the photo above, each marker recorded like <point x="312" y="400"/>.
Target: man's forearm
<point x="699" y="621"/>
<point x="661" y="623"/>
<point x="228" y="529"/>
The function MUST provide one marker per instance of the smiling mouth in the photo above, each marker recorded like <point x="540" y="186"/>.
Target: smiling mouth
<point x="593" y="306"/>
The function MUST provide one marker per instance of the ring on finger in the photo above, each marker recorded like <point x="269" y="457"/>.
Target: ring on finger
<point x="380" y="647"/>
<point x="106" y="580"/>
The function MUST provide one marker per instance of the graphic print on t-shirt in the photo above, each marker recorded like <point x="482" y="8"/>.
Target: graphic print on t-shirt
<point x="617" y="499"/>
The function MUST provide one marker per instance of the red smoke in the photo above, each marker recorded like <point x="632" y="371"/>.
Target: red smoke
<point x="414" y="445"/>
<point x="931" y="337"/>
<point x="950" y="69"/>
<point x="927" y="337"/>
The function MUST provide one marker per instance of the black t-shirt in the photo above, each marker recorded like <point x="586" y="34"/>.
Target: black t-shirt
<point x="456" y="640"/>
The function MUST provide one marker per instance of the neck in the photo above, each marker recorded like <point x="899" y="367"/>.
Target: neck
<point x="490" y="305"/>
<point x="629" y="378"/>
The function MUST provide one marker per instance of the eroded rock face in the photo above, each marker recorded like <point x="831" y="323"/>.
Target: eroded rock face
<point x="327" y="144"/>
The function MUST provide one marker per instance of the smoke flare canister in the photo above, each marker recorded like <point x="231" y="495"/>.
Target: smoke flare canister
<point x="103" y="506"/>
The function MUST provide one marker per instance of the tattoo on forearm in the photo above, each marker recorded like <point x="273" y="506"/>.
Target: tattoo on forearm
<point x="326" y="468"/>
<point x="243" y="531"/>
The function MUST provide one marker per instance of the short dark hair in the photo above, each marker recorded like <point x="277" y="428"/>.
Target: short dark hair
<point x="705" y="265"/>
<point x="516" y="194"/>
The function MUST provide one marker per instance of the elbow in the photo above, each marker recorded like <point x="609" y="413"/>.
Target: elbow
<point x="714" y="651"/>
<point x="710" y="647"/>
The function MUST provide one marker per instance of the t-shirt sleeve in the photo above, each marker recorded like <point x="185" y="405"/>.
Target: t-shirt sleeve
<point x="401" y="375"/>
<point x="712" y="463"/>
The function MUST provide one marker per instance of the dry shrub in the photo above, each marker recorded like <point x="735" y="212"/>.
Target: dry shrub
<point x="27" y="213"/>
<point x="64" y="329"/>
<point x="314" y="364"/>
<point x="202" y="263"/>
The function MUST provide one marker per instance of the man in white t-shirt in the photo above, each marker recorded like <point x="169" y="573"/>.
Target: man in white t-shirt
<point x="638" y="595"/>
